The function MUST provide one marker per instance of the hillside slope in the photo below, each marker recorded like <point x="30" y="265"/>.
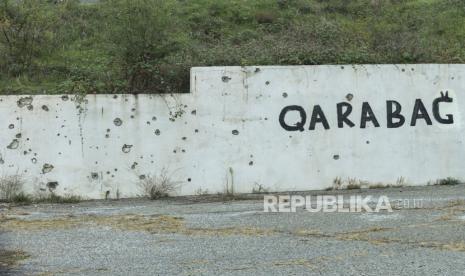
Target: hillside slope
<point x="148" y="46"/>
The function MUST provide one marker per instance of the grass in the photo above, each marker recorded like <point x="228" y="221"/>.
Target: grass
<point x="11" y="191"/>
<point x="448" y="181"/>
<point x="9" y="259"/>
<point x="155" y="224"/>
<point x="158" y="186"/>
<point x="53" y="198"/>
<point x="26" y="199"/>
<point x="11" y="187"/>
<point x="85" y="49"/>
<point x="353" y="186"/>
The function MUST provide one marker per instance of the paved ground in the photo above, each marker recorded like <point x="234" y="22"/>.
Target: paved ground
<point x="198" y="236"/>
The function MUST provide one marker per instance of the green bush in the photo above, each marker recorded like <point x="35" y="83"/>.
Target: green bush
<point x="29" y="29"/>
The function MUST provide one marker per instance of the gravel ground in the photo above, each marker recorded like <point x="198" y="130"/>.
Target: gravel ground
<point x="204" y="236"/>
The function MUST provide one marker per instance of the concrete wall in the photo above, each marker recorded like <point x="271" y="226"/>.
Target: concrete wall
<point x="227" y="133"/>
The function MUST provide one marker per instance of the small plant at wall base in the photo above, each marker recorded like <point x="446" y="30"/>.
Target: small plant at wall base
<point x="448" y="181"/>
<point x="11" y="189"/>
<point x="259" y="189"/>
<point x="158" y="186"/>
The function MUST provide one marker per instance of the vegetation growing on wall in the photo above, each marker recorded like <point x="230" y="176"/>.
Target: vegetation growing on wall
<point x="148" y="46"/>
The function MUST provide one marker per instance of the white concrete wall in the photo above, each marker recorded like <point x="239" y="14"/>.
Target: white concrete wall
<point x="226" y="132"/>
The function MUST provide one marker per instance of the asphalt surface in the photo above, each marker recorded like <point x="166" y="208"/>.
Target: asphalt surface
<point x="204" y="236"/>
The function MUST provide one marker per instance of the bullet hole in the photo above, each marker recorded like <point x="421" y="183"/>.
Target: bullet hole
<point x="189" y="180"/>
<point x="266" y="119"/>
<point x="194" y="112"/>
<point x="115" y="169"/>
<point x="58" y="134"/>
<point x="157" y="132"/>
<point x="126" y="148"/>
<point x="154" y="118"/>
<point x="184" y="138"/>
<point x="30" y="107"/>
<point x="349" y="97"/>
<point x="115" y="96"/>
<point x="25" y="101"/>
<point x="25" y="152"/>
<point x="342" y="67"/>
<point x="368" y="142"/>
<point x="172" y="119"/>
<point x="134" y="165"/>
<point x="11" y="126"/>
<point x="413" y="69"/>
<point x="18" y="135"/>
<point x="196" y="131"/>
<point x="132" y="117"/>
<point x="285" y="95"/>
<point x="27" y="139"/>
<point x="94" y="176"/>
<point x="257" y="70"/>
<point x="336" y="157"/>
<point x="107" y="135"/>
<point x="225" y="79"/>
<point x="183" y="150"/>
<point x="13" y="145"/>
<point x="117" y="122"/>
<point x="148" y="123"/>
<point x="46" y="168"/>
<point x="133" y="109"/>
<point x="142" y="176"/>
<point x="52" y="185"/>
<point x="267" y="82"/>
<point x="108" y="172"/>
<point x="403" y="70"/>
<point x="64" y="98"/>
<point x="108" y="130"/>
<point x="251" y="163"/>
<point x="45" y="108"/>
<point x="235" y="132"/>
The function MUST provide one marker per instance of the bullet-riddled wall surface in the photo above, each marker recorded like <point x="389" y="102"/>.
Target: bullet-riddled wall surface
<point x="244" y="129"/>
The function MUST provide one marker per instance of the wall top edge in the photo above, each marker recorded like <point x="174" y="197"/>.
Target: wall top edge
<point x="400" y="65"/>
